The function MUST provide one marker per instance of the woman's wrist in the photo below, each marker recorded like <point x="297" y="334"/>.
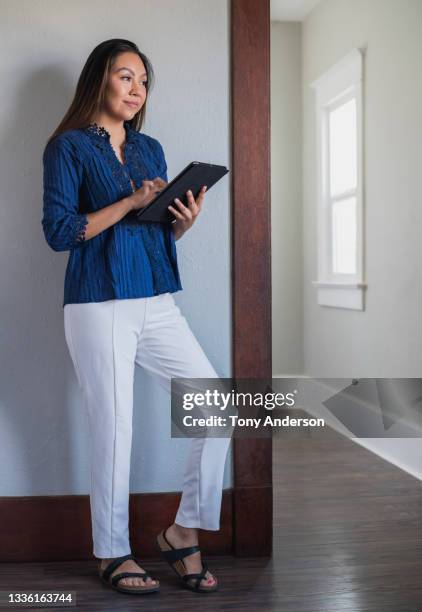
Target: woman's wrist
<point x="177" y="232"/>
<point x="128" y="203"/>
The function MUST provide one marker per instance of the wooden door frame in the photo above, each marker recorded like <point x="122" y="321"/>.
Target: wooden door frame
<point x="251" y="261"/>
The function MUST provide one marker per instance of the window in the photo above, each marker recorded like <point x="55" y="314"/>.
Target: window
<point x="339" y="172"/>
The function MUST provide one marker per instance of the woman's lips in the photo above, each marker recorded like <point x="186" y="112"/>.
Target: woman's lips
<point x="132" y="104"/>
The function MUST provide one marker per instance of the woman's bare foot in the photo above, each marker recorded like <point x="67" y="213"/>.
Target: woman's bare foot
<point x="128" y="566"/>
<point x="181" y="537"/>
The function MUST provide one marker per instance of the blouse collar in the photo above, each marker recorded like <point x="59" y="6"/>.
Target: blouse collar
<point x="100" y="132"/>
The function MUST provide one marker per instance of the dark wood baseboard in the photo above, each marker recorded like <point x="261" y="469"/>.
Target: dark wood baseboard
<point x="58" y="528"/>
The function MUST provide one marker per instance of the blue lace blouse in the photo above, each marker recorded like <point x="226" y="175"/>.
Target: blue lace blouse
<point x="83" y="174"/>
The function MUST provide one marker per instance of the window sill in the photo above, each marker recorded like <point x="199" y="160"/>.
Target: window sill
<point x="341" y="295"/>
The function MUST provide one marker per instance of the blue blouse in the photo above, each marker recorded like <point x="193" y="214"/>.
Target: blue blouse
<point x="83" y="174"/>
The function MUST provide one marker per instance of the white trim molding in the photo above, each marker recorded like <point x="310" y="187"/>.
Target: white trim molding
<point x="341" y="84"/>
<point x="341" y="295"/>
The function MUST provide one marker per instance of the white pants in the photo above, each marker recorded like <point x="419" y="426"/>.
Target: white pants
<point x="105" y="340"/>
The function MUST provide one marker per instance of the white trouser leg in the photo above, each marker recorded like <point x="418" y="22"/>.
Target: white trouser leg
<point x="105" y="339"/>
<point x="102" y="342"/>
<point x="168" y="348"/>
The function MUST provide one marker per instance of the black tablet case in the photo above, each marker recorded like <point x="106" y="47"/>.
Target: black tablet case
<point x="193" y="177"/>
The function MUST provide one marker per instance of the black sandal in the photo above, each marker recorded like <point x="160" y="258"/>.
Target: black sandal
<point x="174" y="557"/>
<point x="137" y="590"/>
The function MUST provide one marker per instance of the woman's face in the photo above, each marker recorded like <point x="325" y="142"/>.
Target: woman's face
<point x="126" y="87"/>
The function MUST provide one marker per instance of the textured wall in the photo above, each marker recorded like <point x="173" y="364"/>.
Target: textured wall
<point x="44" y="431"/>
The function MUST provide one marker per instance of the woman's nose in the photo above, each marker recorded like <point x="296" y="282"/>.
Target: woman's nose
<point x="138" y="90"/>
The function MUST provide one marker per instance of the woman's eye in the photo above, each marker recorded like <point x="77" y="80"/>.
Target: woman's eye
<point x="144" y="83"/>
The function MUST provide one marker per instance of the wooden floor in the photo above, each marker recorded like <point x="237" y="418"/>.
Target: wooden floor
<point x="347" y="537"/>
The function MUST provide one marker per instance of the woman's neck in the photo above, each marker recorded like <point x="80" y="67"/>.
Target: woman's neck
<point x="115" y="128"/>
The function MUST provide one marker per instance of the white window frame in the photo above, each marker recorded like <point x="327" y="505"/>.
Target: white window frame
<point x="341" y="83"/>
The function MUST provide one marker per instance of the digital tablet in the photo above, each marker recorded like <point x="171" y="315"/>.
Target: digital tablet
<point x="193" y="177"/>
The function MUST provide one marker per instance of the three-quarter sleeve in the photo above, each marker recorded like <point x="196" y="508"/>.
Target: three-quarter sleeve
<point x="63" y="225"/>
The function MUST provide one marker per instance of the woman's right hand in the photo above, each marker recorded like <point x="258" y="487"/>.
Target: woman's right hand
<point x="143" y="196"/>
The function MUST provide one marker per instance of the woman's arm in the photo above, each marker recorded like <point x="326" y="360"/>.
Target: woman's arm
<point x="65" y="227"/>
<point x="176" y="232"/>
<point x="186" y="215"/>
<point x="100" y="220"/>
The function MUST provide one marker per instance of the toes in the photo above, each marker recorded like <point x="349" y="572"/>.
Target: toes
<point x="132" y="582"/>
<point x="209" y="580"/>
<point x="142" y="582"/>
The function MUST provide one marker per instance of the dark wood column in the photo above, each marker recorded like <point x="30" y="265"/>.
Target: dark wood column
<point x="251" y="261"/>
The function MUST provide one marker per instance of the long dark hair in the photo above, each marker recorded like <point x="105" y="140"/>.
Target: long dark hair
<point x="90" y="90"/>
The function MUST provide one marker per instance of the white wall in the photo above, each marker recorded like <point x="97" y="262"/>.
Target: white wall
<point x="385" y="340"/>
<point x="286" y="199"/>
<point x="44" y="430"/>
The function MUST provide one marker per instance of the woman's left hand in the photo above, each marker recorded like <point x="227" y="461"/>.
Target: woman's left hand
<point x="186" y="215"/>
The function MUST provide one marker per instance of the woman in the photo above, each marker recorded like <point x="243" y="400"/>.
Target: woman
<point x="119" y="308"/>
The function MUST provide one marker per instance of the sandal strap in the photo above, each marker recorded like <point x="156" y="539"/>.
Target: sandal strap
<point x="198" y="577"/>
<point x="175" y="554"/>
<point x="115" y="564"/>
<point x="201" y="574"/>
<point x="115" y="579"/>
<point x="179" y="553"/>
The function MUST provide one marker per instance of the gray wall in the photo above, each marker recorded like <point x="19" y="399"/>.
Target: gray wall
<point x="286" y="198"/>
<point x="384" y="340"/>
<point x="44" y="430"/>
